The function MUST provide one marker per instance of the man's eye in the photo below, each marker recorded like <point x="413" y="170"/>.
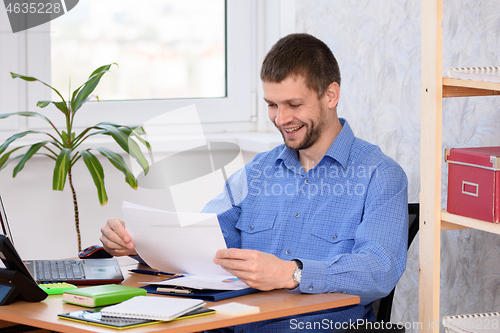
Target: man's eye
<point x="294" y="106"/>
<point x="271" y="105"/>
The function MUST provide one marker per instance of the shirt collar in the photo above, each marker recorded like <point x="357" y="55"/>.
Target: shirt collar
<point x="339" y="149"/>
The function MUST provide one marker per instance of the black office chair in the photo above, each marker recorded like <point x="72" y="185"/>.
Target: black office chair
<point x="383" y="307"/>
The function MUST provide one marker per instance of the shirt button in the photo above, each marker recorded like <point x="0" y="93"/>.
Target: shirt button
<point x="306" y="181"/>
<point x="287" y="252"/>
<point x="343" y="292"/>
<point x="297" y="214"/>
<point x="251" y="227"/>
<point x="334" y="236"/>
<point x="311" y="288"/>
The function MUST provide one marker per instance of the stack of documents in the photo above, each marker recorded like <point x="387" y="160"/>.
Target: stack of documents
<point x="185" y="244"/>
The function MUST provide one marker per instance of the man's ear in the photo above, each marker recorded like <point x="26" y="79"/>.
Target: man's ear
<point x="333" y="94"/>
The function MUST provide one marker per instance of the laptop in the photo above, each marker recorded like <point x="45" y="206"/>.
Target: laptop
<point x="74" y="271"/>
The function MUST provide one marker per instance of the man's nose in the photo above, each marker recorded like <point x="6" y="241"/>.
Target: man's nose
<point x="283" y="115"/>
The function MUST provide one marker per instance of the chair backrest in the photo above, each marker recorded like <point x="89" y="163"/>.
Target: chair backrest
<point x="385" y="306"/>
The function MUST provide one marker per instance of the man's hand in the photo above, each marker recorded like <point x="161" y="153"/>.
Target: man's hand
<point x="259" y="270"/>
<point x="115" y="239"/>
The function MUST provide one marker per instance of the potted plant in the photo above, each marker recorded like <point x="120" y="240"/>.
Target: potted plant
<point x="63" y="145"/>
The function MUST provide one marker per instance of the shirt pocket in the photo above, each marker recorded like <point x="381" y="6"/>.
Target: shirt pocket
<point x="336" y="239"/>
<point x="257" y="230"/>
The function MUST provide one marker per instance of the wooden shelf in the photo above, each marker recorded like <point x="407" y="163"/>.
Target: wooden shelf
<point x="452" y="221"/>
<point x="469" y="88"/>
<point x="432" y="219"/>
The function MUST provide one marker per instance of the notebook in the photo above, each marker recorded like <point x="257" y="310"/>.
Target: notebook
<point x="489" y="74"/>
<point x="102" y="295"/>
<point x="93" y="316"/>
<point x="473" y="323"/>
<point x="74" y="271"/>
<point x="152" y="308"/>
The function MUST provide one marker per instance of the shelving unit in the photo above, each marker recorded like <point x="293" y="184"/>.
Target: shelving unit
<point x="432" y="219"/>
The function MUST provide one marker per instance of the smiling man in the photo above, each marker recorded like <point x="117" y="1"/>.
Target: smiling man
<point x="325" y="212"/>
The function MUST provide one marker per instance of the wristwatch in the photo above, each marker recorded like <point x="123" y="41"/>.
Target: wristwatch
<point x="297" y="275"/>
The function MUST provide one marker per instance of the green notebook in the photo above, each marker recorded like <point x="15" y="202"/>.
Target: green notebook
<point x="101" y="295"/>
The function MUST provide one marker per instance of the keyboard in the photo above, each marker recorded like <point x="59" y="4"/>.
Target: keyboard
<point x="58" y="270"/>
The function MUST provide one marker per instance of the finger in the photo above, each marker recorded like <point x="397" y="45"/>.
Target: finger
<point x="239" y="265"/>
<point x="111" y="241"/>
<point x="115" y="249"/>
<point x="247" y="278"/>
<point x="118" y="227"/>
<point x="116" y="233"/>
<point x="111" y="238"/>
<point x="237" y="254"/>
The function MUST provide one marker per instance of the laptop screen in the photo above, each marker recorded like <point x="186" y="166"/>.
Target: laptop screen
<point x="4" y="224"/>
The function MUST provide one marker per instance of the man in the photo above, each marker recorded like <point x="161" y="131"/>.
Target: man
<point x="325" y="212"/>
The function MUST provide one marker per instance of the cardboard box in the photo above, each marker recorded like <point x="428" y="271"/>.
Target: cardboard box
<point x="474" y="182"/>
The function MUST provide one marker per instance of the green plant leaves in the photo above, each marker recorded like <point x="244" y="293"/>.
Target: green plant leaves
<point x="31" y="79"/>
<point x="28" y="114"/>
<point x="33" y="149"/>
<point x="60" y="105"/>
<point x="42" y="104"/>
<point x="25" y="114"/>
<point x="128" y="138"/>
<point x="61" y="170"/>
<point x="136" y="132"/>
<point x="120" y="164"/>
<point x="97" y="173"/>
<point x="88" y="87"/>
<point x="4" y="160"/>
<point x="122" y="136"/>
<point x="14" y="138"/>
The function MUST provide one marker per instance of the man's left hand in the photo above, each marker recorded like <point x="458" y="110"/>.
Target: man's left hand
<point x="257" y="269"/>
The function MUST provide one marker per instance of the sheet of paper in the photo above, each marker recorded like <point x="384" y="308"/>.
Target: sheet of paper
<point x="205" y="282"/>
<point x="175" y="242"/>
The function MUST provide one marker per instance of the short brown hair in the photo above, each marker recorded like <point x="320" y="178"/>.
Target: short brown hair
<point x="304" y="55"/>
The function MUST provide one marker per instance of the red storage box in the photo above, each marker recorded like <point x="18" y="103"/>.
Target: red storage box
<point x="474" y="182"/>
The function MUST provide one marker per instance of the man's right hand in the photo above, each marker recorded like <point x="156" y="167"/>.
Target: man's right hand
<point x="116" y="240"/>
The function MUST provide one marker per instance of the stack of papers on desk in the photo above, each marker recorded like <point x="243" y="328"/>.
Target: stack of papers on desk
<point x="182" y="243"/>
<point x="200" y="282"/>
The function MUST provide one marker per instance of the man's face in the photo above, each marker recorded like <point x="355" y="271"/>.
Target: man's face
<point x="296" y="111"/>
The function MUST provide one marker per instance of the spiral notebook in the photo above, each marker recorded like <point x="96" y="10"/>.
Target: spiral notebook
<point x="489" y="74"/>
<point x="473" y="323"/>
<point x="152" y="308"/>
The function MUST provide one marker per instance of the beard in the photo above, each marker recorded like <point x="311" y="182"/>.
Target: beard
<point x="313" y="133"/>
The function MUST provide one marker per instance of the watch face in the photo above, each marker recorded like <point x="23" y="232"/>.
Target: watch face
<point x="297" y="275"/>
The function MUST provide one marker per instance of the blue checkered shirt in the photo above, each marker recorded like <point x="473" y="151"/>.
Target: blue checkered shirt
<point x="346" y="220"/>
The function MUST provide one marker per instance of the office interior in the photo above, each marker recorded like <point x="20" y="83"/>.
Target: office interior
<point x="378" y="47"/>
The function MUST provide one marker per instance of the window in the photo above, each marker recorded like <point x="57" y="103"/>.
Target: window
<point x="233" y="108"/>
<point x="175" y="49"/>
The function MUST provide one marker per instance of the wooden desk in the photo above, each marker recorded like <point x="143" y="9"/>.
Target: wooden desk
<point x="272" y="304"/>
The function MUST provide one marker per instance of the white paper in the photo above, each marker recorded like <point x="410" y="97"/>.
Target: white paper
<point x="167" y="245"/>
<point x="205" y="282"/>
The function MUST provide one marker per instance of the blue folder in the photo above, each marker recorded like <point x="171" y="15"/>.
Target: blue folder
<point x="206" y="295"/>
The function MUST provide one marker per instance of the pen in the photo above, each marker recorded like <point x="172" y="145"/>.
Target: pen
<point x="173" y="290"/>
<point x="157" y="273"/>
